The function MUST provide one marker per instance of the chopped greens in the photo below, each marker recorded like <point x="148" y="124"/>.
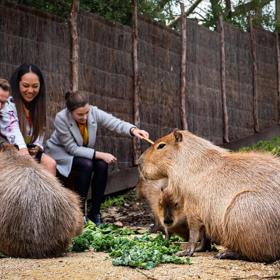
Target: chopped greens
<point x="126" y="248"/>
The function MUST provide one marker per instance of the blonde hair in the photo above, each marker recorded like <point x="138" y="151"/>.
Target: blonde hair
<point x="5" y="85"/>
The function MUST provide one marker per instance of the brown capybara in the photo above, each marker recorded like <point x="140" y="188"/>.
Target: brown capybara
<point x="38" y="217"/>
<point x="169" y="214"/>
<point x="172" y="215"/>
<point x="151" y="191"/>
<point x="235" y="197"/>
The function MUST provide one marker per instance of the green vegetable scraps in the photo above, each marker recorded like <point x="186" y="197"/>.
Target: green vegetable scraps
<point x="125" y="248"/>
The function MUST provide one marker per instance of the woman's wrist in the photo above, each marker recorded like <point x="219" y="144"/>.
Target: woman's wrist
<point x="131" y="130"/>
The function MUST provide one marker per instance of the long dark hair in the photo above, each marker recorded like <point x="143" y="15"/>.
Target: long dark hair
<point x="38" y="105"/>
<point x="75" y="100"/>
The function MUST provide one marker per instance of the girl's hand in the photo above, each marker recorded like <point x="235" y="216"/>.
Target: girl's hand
<point x="139" y="133"/>
<point x="108" y="158"/>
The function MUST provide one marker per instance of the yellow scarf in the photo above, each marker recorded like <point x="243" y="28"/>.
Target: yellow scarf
<point x="84" y="133"/>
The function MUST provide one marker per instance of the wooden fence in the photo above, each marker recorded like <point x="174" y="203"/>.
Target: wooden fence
<point x="232" y="77"/>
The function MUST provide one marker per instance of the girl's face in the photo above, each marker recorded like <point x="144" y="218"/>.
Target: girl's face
<point x="80" y="114"/>
<point x="29" y="86"/>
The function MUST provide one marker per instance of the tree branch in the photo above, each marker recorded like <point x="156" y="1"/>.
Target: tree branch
<point x="187" y="13"/>
<point x="250" y="6"/>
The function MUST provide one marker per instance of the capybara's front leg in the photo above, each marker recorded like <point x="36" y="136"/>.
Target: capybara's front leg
<point x="194" y="230"/>
<point x="205" y="242"/>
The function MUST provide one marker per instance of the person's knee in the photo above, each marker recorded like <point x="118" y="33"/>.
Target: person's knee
<point x="83" y="164"/>
<point x="101" y="165"/>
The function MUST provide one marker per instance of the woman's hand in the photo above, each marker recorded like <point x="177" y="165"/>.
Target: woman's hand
<point x="108" y="158"/>
<point x="139" y="133"/>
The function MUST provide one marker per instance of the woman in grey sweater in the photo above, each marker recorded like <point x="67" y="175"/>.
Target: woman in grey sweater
<point x="72" y="146"/>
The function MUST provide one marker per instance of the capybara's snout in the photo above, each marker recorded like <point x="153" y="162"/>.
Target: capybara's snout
<point x="168" y="221"/>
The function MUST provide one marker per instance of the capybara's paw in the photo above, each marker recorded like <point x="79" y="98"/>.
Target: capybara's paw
<point x="188" y="252"/>
<point x="229" y="255"/>
<point x="154" y="228"/>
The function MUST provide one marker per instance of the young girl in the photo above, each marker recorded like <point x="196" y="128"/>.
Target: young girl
<point x="24" y="115"/>
<point x="72" y="146"/>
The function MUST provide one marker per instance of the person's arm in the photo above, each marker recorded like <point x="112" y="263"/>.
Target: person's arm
<point x="67" y="140"/>
<point x="9" y="126"/>
<point x="119" y="126"/>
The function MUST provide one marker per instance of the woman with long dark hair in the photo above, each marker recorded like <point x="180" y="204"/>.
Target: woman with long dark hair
<point x="25" y="115"/>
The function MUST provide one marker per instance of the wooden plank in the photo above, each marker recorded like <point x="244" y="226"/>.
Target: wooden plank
<point x="122" y="180"/>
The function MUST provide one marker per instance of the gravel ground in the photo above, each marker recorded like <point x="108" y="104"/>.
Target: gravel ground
<point x="92" y="265"/>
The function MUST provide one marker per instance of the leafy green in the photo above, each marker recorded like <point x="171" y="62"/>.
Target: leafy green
<point x="272" y="146"/>
<point x="113" y="201"/>
<point x="127" y="248"/>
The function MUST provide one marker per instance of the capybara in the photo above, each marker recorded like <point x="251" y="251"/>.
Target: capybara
<point x="151" y="191"/>
<point x="38" y="217"/>
<point x="234" y="196"/>
<point x="169" y="214"/>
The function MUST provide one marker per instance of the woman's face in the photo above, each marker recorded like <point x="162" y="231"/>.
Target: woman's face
<point x="80" y="114"/>
<point x="29" y="86"/>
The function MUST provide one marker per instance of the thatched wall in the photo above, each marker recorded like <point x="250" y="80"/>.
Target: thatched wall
<point x="106" y="76"/>
<point x="239" y="83"/>
<point x="27" y="35"/>
<point x="105" y="65"/>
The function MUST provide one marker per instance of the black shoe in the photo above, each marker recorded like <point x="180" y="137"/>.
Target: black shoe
<point x="96" y="218"/>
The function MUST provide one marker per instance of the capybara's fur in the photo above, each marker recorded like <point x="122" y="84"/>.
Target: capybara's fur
<point x="234" y="196"/>
<point x="151" y="190"/>
<point x="38" y="217"/>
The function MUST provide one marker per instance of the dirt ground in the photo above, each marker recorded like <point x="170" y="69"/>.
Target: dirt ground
<point x="92" y="265"/>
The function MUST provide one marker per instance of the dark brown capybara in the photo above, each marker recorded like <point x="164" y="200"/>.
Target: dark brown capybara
<point x="149" y="190"/>
<point x="38" y="216"/>
<point x="169" y="215"/>
<point x="234" y="196"/>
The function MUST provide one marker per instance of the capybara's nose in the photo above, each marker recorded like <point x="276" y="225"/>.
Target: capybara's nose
<point x="168" y="221"/>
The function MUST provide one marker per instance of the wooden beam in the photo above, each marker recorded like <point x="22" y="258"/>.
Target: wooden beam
<point x="184" y="123"/>
<point x="223" y="79"/>
<point x="136" y="102"/>
<point x="278" y="75"/>
<point x="254" y="73"/>
<point x="74" y="45"/>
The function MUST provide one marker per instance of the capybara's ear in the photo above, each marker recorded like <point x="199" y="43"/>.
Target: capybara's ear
<point x="178" y="135"/>
<point x="163" y="187"/>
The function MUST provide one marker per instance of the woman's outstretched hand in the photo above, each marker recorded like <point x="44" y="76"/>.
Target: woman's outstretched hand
<point x="108" y="158"/>
<point x="139" y="133"/>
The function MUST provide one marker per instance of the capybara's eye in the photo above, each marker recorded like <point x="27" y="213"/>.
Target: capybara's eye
<point x="160" y="146"/>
